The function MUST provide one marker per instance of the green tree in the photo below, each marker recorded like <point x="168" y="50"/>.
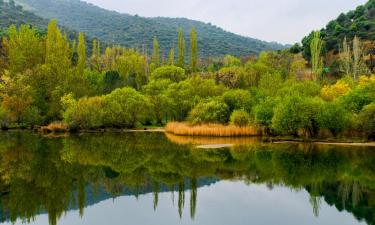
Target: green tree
<point x="316" y="49"/>
<point x="295" y="114"/>
<point x="155" y="91"/>
<point x="171" y="57"/>
<point x="367" y="120"/>
<point x="238" y="99"/>
<point x="181" y="49"/>
<point x="24" y="48"/>
<point x="211" y="111"/>
<point x="193" y="50"/>
<point x="81" y="50"/>
<point x="334" y="117"/>
<point x="156" y="53"/>
<point x="126" y="108"/>
<point x="173" y="73"/>
<point x="240" y="118"/>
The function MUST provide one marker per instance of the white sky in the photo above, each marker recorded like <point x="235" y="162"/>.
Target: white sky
<point x="285" y="21"/>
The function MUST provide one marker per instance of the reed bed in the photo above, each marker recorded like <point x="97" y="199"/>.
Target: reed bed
<point x="203" y="140"/>
<point x="211" y="130"/>
<point x="55" y="128"/>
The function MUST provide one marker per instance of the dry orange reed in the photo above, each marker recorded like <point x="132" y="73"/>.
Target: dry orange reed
<point x="213" y="130"/>
<point x="55" y="128"/>
<point x="204" y="140"/>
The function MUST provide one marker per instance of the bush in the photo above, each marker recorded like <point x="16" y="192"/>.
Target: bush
<point x="295" y="113"/>
<point x="333" y="117"/>
<point x="238" y="99"/>
<point x="263" y="112"/>
<point x="240" y="118"/>
<point x="87" y="113"/>
<point x="173" y="73"/>
<point x="125" y="108"/>
<point x="359" y="97"/>
<point x="304" y="88"/>
<point x="367" y="120"/>
<point x="212" y="111"/>
<point x="232" y="77"/>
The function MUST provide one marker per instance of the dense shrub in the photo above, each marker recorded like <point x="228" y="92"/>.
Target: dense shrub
<point x="173" y="73"/>
<point x="87" y="113"/>
<point x="296" y="113"/>
<point x="232" y="77"/>
<point x="125" y="108"/>
<point x="367" y="120"/>
<point x="359" y="97"/>
<point x="303" y="88"/>
<point x="263" y="112"/>
<point x="212" y="111"/>
<point x="240" y="118"/>
<point x="333" y="116"/>
<point x="238" y="99"/>
<point x="186" y="94"/>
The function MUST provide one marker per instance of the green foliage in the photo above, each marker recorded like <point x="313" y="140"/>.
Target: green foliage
<point x="125" y="108"/>
<point x="155" y="91"/>
<point x="155" y="60"/>
<point x="334" y="117"/>
<point x="359" y="22"/>
<point x="111" y="81"/>
<point x="173" y="73"/>
<point x="188" y="93"/>
<point x="361" y="96"/>
<point x="238" y="99"/>
<point x="232" y="77"/>
<point x="367" y="120"/>
<point x="240" y="118"/>
<point x="316" y="49"/>
<point x="181" y="49"/>
<point x="212" y="111"/>
<point x="297" y="113"/>
<point x="264" y="111"/>
<point x="304" y="88"/>
<point x="230" y="61"/>
<point x="193" y="50"/>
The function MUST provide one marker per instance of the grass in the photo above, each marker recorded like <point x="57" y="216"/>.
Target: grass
<point x="55" y="128"/>
<point x="210" y="130"/>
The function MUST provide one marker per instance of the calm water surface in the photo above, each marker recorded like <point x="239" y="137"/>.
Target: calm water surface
<point x="153" y="178"/>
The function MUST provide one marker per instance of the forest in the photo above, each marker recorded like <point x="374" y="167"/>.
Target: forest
<point x="50" y="78"/>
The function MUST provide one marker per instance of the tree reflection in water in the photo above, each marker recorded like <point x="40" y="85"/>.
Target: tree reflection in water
<point x="53" y="175"/>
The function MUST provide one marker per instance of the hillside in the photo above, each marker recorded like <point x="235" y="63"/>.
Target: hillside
<point x="136" y="31"/>
<point x="359" y="22"/>
<point x="14" y="14"/>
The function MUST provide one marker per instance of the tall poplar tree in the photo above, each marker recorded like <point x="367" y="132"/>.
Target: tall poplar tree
<point x="193" y="50"/>
<point x="316" y="48"/>
<point x="156" y="53"/>
<point x="171" y="57"/>
<point x="181" y="49"/>
<point x="81" y="51"/>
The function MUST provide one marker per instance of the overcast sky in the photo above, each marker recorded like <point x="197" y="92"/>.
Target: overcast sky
<point x="285" y="21"/>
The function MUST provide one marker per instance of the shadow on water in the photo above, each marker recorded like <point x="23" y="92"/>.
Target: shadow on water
<point x="55" y="175"/>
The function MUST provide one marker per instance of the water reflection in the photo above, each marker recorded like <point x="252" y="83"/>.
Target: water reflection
<point x="53" y="175"/>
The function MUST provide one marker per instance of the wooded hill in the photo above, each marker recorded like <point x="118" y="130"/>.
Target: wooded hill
<point x="138" y="32"/>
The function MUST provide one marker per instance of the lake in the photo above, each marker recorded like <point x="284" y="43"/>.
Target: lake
<point x="153" y="178"/>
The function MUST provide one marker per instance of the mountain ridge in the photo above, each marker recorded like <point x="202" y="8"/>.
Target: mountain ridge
<point x="136" y="32"/>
